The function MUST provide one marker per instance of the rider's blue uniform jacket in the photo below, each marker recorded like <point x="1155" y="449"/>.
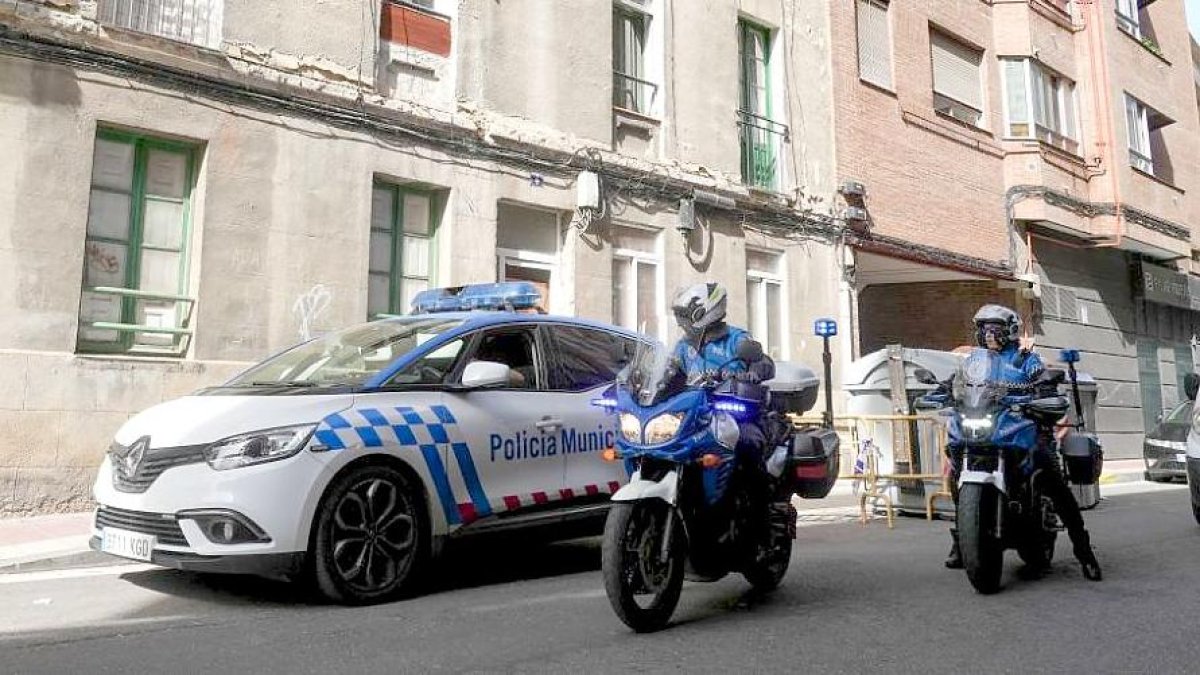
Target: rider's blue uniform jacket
<point x="713" y="354"/>
<point x="1019" y="369"/>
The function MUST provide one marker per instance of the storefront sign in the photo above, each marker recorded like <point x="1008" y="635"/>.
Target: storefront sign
<point x="1168" y="287"/>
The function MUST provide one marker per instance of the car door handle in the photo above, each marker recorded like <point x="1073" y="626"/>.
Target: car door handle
<point x="549" y="423"/>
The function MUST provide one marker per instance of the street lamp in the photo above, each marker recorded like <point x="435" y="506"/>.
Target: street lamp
<point x="825" y="329"/>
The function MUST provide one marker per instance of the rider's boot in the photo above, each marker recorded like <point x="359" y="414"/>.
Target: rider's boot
<point x="1085" y="555"/>
<point x="954" y="560"/>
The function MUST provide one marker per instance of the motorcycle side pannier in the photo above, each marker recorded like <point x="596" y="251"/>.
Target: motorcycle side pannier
<point x="815" y="462"/>
<point x="793" y="389"/>
<point x="1083" y="457"/>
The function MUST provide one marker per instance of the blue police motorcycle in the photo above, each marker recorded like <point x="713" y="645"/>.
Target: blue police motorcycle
<point x="992" y="435"/>
<point x="690" y="507"/>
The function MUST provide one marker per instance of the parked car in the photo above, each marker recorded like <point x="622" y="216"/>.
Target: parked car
<point x="1165" y="446"/>
<point x="351" y="458"/>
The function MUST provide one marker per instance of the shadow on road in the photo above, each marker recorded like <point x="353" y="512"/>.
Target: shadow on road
<point x="463" y="565"/>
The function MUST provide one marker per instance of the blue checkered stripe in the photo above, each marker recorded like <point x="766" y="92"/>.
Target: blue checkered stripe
<point x="427" y="431"/>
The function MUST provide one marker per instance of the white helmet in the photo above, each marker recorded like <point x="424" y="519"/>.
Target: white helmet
<point x="699" y="307"/>
<point x="1007" y="321"/>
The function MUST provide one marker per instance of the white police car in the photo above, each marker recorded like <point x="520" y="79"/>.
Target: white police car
<point x="351" y="458"/>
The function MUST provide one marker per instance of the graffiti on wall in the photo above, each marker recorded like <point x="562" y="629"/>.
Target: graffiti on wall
<point x="309" y="307"/>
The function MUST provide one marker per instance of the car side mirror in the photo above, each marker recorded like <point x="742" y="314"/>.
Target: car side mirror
<point x="1160" y="416"/>
<point x="482" y="374"/>
<point x="924" y="376"/>
<point x="1191" y="383"/>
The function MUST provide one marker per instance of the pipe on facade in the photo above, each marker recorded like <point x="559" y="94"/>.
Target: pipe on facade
<point x="1101" y="89"/>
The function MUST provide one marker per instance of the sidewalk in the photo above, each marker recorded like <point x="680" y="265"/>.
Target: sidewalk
<point x="62" y="539"/>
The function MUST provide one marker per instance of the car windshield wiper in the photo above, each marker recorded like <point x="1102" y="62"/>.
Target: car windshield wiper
<point x="289" y="383"/>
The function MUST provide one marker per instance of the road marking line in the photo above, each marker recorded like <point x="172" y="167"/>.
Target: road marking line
<point x="78" y="573"/>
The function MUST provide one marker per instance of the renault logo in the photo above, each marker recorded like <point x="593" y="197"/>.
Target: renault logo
<point x="127" y="461"/>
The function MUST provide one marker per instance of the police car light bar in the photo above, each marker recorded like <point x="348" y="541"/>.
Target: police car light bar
<point x="825" y="328"/>
<point x="508" y="295"/>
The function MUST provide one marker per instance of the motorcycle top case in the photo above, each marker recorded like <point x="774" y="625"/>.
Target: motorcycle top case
<point x="1083" y="456"/>
<point x="816" y="462"/>
<point x="793" y="389"/>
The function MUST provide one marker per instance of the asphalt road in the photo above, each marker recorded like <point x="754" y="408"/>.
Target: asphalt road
<point x="857" y="599"/>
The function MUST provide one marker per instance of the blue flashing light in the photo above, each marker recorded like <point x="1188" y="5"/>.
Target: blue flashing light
<point x="732" y="407"/>
<point x="1069" y="355"/>
<point x="825" y="328"/>
<point x="509" y="295"/>
<point x="606" y="403"/>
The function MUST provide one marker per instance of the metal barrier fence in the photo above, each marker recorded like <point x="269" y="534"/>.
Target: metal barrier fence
<point x="915" y="440"/>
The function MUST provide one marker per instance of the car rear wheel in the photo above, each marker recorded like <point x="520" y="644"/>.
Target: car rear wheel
<point x="371" y="537"/>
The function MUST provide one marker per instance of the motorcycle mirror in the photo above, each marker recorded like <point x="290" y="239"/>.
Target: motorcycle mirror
<point x="1191" y="384"/>
<point x="924" y="376"/>
<point x="749" y="351"/>
<point x="1053" y="376"/>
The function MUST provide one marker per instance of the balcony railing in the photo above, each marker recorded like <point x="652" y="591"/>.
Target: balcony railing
<point x="196" y="22"/>
<point x="169" y="336"/>
<point x="633" y="93"/>
<point x="761" y="147"/>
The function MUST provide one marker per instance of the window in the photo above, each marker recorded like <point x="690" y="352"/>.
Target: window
<point x="588" y="358"/>
<point x="1127" y="17"/>
<point x="1149" y="380"/>
<point x="515" y="348"/>
<point x="874" y="43"/>
<point x="1039" y="104"/>
<point x="196" y="22"/>
<point x="402" y="252"/>
<point x="1147" y="145"/>
<point x="527" y="245"/>
<point x="631" y="89"/>
<point x="135" y="261"/>
<point x="957" y="87"/>
<point x="637" y="295"/>
<point x="405" y="23"/>
<point x="765" y="302"/>
<point x="760" y="136"/>
<point x="431" y="369"/>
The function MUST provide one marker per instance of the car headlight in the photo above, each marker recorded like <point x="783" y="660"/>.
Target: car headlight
<point x="663" y="428"/>
<point x="631" y="428"/>
<point x="268" y="445"/>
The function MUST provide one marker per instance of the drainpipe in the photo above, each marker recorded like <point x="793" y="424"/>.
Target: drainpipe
<point x="1101" y="95"/>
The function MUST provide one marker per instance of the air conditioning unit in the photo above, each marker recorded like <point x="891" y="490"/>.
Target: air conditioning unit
<point x="852" y="188"/>
<point x="855" y="214"/>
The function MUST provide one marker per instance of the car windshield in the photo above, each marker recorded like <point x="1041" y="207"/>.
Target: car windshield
<point x="348" y="357"/>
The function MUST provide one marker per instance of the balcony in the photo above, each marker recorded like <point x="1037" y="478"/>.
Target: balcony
<point x="761" y="143"/>
<point x="196" y="22"/>
<point x="634" y="94"/>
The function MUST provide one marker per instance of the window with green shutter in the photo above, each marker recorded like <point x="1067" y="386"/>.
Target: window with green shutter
<point x="403" y="223"/>
<point x="135" y="254"/>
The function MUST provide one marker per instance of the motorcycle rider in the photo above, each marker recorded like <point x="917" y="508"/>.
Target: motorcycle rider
<point x="998" y="329"/>
<point x="709" y="344"/>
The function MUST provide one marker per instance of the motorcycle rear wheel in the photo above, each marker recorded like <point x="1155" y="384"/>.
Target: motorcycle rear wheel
<point x="767" y="571"/>
<point x="642" y="589"/>
<point x="982" y="551"/>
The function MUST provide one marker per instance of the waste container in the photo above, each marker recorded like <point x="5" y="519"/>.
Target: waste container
<point x="868" y="385"/>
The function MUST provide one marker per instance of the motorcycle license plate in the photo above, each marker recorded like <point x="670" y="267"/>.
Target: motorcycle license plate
<point x="127" y="544"/>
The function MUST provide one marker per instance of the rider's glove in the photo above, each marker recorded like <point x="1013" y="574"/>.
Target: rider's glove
<point x="747" y="376"/>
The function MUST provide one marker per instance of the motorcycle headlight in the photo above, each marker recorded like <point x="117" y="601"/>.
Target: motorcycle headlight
<point x="268" y="445"/>
<point x="663" y="428"/>
<point x="977" y="428"/>
<point x="631" y="428"/>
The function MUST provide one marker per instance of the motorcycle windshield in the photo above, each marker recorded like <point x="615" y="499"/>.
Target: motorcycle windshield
<point x="978" y="386"/>
<point x="652" y="375"/>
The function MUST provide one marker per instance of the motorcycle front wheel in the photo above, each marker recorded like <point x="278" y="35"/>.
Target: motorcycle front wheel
<point x="642" y="587"/>
<point x="982" y="551"/>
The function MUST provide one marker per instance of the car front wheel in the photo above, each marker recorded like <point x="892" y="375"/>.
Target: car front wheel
<point x="371" y="538"/>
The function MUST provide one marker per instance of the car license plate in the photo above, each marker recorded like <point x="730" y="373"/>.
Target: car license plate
<point x="1181" y="457"/>
<point x="127" y="544"/>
